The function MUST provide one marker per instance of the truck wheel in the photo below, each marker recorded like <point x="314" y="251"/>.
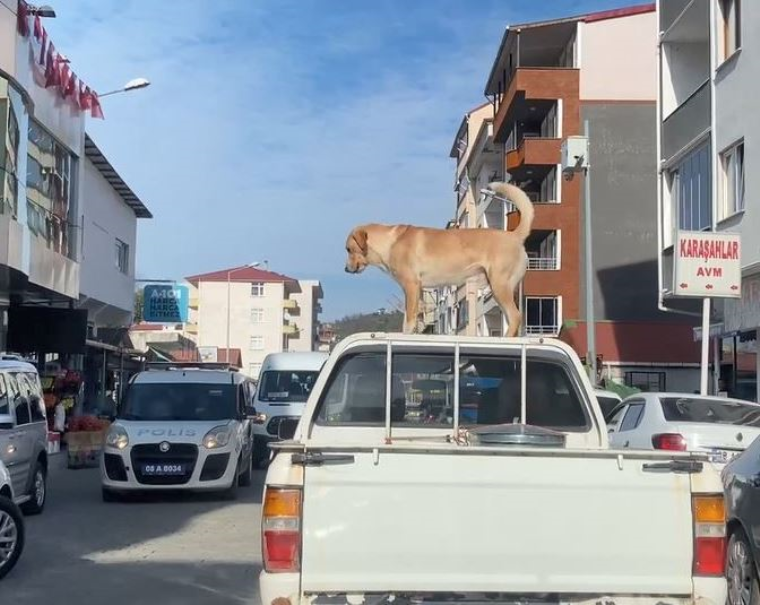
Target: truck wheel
<point x="37" y="492"/>
<point x="11" y="535"/>
<point x="246" y="477"/>
<point x="741" y="574"/>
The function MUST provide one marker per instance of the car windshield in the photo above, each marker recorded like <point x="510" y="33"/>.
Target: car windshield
<point x="710" y="411"/>
<point x="179" y="401"/>
<point x="286" y="385"/>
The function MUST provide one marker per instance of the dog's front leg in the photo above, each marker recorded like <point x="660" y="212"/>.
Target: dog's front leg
<point x="412" y="293"/>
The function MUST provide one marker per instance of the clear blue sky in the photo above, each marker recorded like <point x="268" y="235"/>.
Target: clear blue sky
<point x="274" y="126"/>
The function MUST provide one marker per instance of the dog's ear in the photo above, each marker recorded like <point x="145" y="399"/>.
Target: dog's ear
<point x="360" y="236"/>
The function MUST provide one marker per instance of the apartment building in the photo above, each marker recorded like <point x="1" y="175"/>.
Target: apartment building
<point x="268" y="313"/>
<point x="708" y="68"/>
<point x="547" y="79"/>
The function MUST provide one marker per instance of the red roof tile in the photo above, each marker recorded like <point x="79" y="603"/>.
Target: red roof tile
<point x="240" y="274"/>
<point x="147" y="327"/>
<point x="637" y="342"/>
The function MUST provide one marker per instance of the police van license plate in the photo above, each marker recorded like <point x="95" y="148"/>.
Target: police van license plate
<point x="163" y="469"/>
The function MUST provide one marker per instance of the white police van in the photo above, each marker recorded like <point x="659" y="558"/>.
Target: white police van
<point x="181" y="426"/>
<point x="285" y="381"/>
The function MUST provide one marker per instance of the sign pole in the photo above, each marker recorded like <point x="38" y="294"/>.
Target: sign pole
<point x="704" y="364"/>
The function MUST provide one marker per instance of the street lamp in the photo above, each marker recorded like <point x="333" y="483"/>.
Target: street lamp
<point x="229" y="275"/>
<point x="135" y="84"/>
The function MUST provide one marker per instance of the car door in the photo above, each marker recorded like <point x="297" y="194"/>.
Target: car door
<point x="613" y="425"/>
<point x="19" y="437"/>
<point x="8" y="449"/>
<point x="627" y="434"/>
<point x="244" y="404"/>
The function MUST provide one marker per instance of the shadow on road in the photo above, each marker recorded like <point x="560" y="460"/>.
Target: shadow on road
<point x="161" y="548"/>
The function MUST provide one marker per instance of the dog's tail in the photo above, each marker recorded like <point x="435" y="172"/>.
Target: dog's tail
<point x="524" y="206"/>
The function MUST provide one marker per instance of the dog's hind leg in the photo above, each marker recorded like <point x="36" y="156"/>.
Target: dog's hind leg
<point x="503" y="285"/>
<point x="412" y="293"/>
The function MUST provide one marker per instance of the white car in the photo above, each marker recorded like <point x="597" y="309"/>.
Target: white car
<point x="285" y="382"/>
<point x="181" y="428"/>
<point x="685" y="422"/>
<point x="11" y="525"/>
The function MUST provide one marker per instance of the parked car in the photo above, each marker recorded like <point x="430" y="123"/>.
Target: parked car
<point x="11" y="525"/>
<point x="608" y="401"/>
<point x="675" y="421"/>
<point x="23" y="433"/>
<point x="284" y="384"/>
<point x="519" y="499"/>
<point x="741" y="480"/>
<point x="181" y="426"/>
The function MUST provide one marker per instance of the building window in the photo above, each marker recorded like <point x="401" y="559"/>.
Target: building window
<point x="690" y="191"/>
<point x="646" y="381"/>
<point x="257" y="289"/>
<point x="50" y="176"/>
<point x="257" y="316"/>
<point x="257" y="343"/>
<point x="463" y="314"/>
<point x="9" y="176"/>
<point x="731" y="27"/>
<point x="542" y="314"/>
<point x="732" y="180"/>
<point x="122" y="257"/>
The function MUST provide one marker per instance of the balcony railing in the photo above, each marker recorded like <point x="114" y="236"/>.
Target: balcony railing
<point x="541" y="329"/>
<point x="543" y="264"/>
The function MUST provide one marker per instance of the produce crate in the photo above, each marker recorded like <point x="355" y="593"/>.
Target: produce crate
<point x="84" y="448"/>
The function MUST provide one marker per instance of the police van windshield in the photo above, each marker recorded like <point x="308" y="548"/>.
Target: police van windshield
<point x="286" y="386"/>
<point x="179" y="401"/>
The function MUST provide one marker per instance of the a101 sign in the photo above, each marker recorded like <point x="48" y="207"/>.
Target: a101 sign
<point x="165" y="304"/>
<point x="707" y="265"/>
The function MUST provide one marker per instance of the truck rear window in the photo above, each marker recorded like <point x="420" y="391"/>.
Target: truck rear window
<point x="422" y="392"/>
<point x="710" y="411"/>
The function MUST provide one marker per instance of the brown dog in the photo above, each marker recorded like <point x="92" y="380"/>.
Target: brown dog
<point x="419" y="257"/>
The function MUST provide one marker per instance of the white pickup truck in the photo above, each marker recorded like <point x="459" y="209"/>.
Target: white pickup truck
<point x="440" y="469"/>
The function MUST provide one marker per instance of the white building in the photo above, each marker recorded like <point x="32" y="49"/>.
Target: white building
<point x="268" y="313"/>
<point x="709" y="62"/>
<point x="110" y="210"/>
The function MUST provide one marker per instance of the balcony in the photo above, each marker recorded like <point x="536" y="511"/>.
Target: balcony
<point x="290" y="329"/>
<point x="532" y="152"/>
<point x="290" y="304"/>
<point x="194" y="302"/>
<point x="543" y="251"/>
<point x="533" y="90"/>
<point x="689" y="121"/>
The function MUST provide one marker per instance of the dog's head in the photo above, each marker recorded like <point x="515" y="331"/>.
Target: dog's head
<point x="356" y="247"/>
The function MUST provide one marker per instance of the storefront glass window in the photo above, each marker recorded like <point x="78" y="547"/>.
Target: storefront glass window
<point x="11" y="110"/>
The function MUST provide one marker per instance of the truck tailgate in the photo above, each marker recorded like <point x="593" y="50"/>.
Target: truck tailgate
<point x="495" y="521"/>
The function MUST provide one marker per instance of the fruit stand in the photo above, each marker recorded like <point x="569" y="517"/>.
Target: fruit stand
<point x="84" y="441"/>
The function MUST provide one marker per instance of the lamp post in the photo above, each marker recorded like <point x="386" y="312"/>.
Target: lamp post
<point x="229" y="276"/>
<point x="135" y="84"/>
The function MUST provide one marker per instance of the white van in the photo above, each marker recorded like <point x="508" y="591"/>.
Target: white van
<point x="285" y="381"/>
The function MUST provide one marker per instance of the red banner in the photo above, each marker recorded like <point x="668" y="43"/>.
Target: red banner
<point x="51" y="68"/>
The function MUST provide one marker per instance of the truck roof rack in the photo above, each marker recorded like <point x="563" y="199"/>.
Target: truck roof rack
<point x="191" y="365"/>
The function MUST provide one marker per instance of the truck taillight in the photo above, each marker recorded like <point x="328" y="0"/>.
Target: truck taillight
<point x="709" y="535"/>
<point x="281" y="530"/>
<point x="669" y="441"/>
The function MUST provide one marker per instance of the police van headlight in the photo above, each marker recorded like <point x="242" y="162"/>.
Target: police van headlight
<point x="219" y="436"/>
<point x="117" y="437"/>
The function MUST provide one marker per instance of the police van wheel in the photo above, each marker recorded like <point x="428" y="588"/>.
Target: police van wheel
<point x="245" y="478"/>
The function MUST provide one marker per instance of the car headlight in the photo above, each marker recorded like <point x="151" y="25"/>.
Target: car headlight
<point x="219" y="436"/>
<point x="117" y="437"/>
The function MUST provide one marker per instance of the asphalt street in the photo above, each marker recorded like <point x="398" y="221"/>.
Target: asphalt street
<point x="174" y="549"/>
